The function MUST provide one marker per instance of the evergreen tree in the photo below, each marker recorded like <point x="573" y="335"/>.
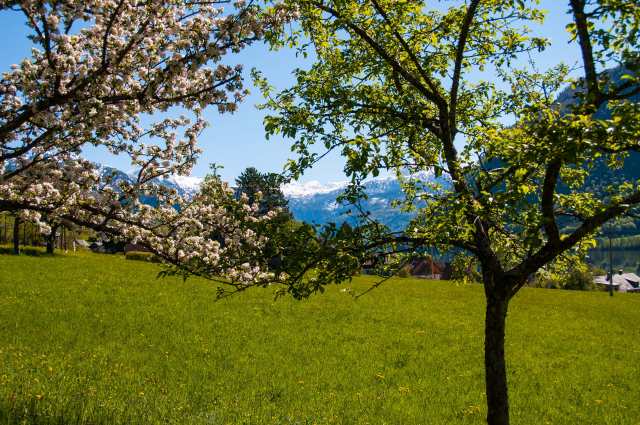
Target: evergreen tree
<point x="251" y="182"/>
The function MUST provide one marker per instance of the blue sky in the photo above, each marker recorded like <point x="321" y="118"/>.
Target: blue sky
<point x="237" y="141"/>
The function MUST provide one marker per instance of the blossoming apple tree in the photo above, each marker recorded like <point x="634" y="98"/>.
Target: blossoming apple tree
<point x="98" y="67"/>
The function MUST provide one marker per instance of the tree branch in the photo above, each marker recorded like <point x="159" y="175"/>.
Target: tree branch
<point x="457" y="70"/>
<point x="594" y="94"/>
<point x="386" y="56"/>
<point x="434" y="89"/>
<point x="548" y="190"/>
<point x="550" y="251"/>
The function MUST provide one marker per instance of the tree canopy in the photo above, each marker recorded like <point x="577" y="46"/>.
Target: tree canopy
<point x="96" y="68"/>
<point x="397" y="86"/>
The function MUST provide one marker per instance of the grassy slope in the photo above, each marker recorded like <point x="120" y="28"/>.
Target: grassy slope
<point x="98" y="339"/>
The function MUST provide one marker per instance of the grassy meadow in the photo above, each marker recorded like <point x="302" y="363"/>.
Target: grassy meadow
<point x="97" y="339"/>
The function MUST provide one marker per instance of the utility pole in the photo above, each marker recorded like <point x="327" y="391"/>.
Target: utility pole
<point x="610" y="268"/>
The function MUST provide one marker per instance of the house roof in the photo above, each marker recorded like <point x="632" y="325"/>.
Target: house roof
<point x="631" y="276"/>
<point x="624" y="280"/>
<point x="425" y="266"/>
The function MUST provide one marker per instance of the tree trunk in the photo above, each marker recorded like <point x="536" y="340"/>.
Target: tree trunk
<point x="16" y="235"/>
<point x="494" y="360"/>
<point x="51" y="240"/>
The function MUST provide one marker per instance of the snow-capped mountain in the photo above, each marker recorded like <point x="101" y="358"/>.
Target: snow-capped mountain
<point x="316" y="203"/>
<point x="311" y="188"/>
<point x="184" y="185"/>
<point x="312" y="202"/>
<point x="187" y="184"/>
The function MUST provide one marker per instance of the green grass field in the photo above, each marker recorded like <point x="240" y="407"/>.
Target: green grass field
<point x="97" y="339"/>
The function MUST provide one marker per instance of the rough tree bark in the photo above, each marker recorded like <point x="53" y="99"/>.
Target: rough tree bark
<point x="16" y="235"/>
<point x="494" y="360"/>
<point x="51" y="240"/>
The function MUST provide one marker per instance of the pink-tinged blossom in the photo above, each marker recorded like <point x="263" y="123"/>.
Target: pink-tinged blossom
<point x="95" y="68"/>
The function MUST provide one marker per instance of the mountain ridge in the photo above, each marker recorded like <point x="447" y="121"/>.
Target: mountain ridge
<point x="316" y="203"/>
<point x="312" y="202"/>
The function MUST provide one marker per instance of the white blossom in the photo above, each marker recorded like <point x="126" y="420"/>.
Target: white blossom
<point x="95" y="68"/>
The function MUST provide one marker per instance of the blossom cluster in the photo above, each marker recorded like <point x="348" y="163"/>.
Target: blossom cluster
<point x="97" y="67"/>
<point x="213" y="233"/>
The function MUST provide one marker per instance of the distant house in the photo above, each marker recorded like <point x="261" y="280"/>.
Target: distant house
<point x="106" y="247"/>
<point x="81" y="243"/>
<point x="426" y="268"/>
<point x="97" y="247"/>
<point x="622" y="282"/>
<point x="369" y="267"/>
<point x="131" y="247"/>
